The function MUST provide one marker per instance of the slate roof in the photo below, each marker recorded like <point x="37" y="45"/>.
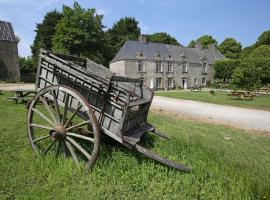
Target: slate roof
<point x="6" y="31"/>
<point x="194" y="55"/>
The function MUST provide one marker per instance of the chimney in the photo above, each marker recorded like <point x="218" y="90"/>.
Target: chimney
<point x="143" y="38"/>
<point x="198" y="46"/>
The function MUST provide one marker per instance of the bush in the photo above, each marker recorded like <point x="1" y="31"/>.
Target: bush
<point x="251" y="74"/>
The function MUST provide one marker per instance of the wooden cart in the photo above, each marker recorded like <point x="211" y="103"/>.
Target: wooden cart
<point x="77" y="100"/>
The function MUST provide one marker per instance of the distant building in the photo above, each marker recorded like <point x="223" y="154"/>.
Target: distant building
<point x="163" y="66"/>
<point x="9" y="62"/>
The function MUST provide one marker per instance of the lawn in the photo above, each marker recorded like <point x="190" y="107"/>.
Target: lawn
<point x="238" y="168"/>
<point x="260" y="102"/>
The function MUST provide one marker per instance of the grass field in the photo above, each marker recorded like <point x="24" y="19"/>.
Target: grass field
<point x="260" y="102"/>
<point x="238" y="168"/>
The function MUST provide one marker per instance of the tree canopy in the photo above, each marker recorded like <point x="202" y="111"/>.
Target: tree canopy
<point x="162" y="37"/>
<point x="230" y="48"/>
<point x="124" y="29"/>
<point x="224" y="69"/>
<point x="205" y="41"/>
<point x="79" y="32"/>
<point x="264" y="38"/>
<point x="262" y="51"/>
<point x="44" y="33"/>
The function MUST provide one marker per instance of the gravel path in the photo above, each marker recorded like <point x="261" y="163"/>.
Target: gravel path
<point x="244" y="118"/>
<point x="16" y="86"/>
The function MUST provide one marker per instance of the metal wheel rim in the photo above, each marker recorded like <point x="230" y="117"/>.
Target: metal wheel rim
<point x="69" y="140"/>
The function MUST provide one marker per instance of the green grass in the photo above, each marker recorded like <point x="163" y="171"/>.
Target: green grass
<point x="260" y="102"/>
<point x="222" y="169"/>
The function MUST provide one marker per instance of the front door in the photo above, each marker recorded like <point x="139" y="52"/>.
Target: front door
<point x="184" y="83"/>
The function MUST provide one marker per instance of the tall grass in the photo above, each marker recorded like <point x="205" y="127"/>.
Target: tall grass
<point x="238" y="168"/>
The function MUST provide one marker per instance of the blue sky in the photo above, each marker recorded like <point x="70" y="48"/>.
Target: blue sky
<point x="243" y="20"/>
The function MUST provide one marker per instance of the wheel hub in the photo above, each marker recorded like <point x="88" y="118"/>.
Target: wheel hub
<point x="59" y="132"/>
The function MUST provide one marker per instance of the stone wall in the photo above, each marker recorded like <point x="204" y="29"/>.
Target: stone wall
<point x="129" y="68"/>
<point x="9" y="55"/>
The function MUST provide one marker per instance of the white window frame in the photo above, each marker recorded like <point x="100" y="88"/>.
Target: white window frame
<point x="159" y="66"/>
<point x="204" y="68"/>
<point x="204" y="80"/>
<point x="170" y="66"/>
<point x="140" y="65"/>
<point x="170" y="82"/>
<point x="184" y="66"/>
<point x="158" y="82"/>
<point x="195" y="81"/>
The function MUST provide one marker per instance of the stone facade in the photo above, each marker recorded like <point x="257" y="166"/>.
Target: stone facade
<point x="163" y="66"/>
<point x="9" y="62"/>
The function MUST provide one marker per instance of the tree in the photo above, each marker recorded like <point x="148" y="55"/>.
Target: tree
<point x="246" y="76"/>
<point x="121" y="31"/>
<point x="192" y="44"/>
<point x="230" y="48"/>
<point x="162" y="37"/>
<point x="44" y="33"/>
<point x="264" y="38"/>
<point x="262" y="51"/>
<point x="206" y="41"/>
<point x="27" y="65"/>
<point x="247" y="50"/>
<point x="80" y="32"/>
<point x="224" y="69"/>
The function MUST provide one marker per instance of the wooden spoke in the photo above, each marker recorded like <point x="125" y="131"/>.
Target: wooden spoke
<point x="79" y="147"/>
<point x="43" y="116"/>
<point x="49" y="147"/>
<point x="77" y="125"/>
<point x="64" y="149"/>
<point x="45" y="103"/>
<point x="81" y="136"/>
<point x="41" y="138"/>
<point x="65" y="109"/>
<point x="58" y="148"/>
<point x="73" y="115"/>
<point x="41" y="126"/>
<point x="71" y="150"/>
<point x="56" y="105"/>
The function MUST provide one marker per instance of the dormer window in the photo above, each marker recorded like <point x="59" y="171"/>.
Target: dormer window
<point x="158" y="66"/>
<point x="140" y="65"/>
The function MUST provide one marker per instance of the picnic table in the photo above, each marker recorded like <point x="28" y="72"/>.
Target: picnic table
<point x="21" y="95"/>
<point x="196" y="88"/>
<point x="241" y="95"/>
<point x="265" y="90"/>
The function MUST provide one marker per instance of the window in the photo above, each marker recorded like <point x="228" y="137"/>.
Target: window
<point x="158" y="82"/>
<point x="170" y="82"/>
<point x="170" y="66"/>
<point x="204" y="69"/>
<point x="195" y="81"/>
<point x="140" y="66"/>
<point x="158" y="66"/>
<point x="203" y="81"/>
<point x="184" y="67"/>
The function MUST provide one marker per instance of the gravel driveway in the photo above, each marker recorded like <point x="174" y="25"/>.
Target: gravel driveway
<point x="244" y="118"/>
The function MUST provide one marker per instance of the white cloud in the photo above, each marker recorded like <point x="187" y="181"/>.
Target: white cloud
<point x="144" y="29"/>
<point x="103" y="11"/>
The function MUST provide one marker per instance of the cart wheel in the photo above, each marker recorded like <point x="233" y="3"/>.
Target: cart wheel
<point x="61" y="122"/>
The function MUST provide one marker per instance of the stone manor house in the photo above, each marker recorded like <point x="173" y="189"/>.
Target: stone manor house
<point x="9" y="61"/>
<point x="163" y="66"/>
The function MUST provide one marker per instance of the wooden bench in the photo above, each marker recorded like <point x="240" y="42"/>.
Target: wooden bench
<point x="264" y="90"/>
<point x="196" y="88"/>
<point x="22" y="95"/>
<point x="242" y="95"/>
